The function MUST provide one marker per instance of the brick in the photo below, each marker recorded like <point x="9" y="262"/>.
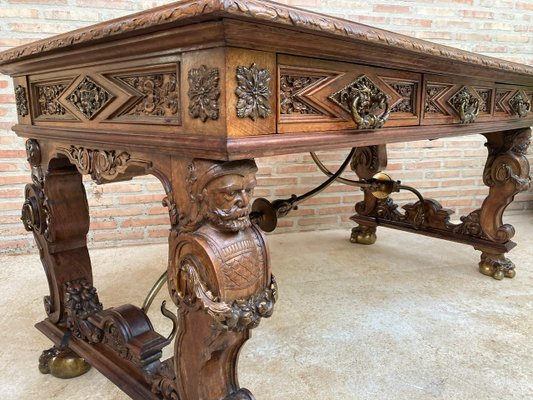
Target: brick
<point x="141" y="199"/>
<point x="141" y="222"/>
<point x="477" y="14"/>
<point x="394" y="9"/>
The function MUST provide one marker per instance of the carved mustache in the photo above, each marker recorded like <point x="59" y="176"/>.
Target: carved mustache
<point x="234" y="212"/>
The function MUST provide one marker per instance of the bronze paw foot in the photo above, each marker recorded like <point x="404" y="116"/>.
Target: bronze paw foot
<point x="62" y="363"/>
<point x="363" y="234"/>
<point x="497" y="266"/>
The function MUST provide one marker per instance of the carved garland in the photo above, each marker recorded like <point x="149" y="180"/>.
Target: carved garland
<point x="239" y="315"/>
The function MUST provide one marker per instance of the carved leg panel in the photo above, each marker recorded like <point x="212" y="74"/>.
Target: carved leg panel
<point x="367" y="162"/>
<point x="219" y="277"/>
<point x="506" y="174"/>
<point x="56" y="211"/>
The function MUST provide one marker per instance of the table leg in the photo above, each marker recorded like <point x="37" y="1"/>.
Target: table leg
<point x="219" y="276"/>
<point x="367" y="162"/>
<point x="506" y="174"/>
<point x="56" y="212"/>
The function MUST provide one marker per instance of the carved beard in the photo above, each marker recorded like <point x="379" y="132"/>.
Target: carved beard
<point x="230" y="220"/>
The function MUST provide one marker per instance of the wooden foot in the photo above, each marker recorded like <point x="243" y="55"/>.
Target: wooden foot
<point x="62" y="363"/>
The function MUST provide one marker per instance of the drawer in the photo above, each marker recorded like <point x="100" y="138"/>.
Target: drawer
<point x="445" y="97"/>
<point x="314" y="95"/>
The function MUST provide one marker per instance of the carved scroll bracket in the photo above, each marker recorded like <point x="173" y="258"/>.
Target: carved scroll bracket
<point x="103" y="165"/>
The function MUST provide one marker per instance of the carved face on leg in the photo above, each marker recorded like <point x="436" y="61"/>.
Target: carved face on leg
<point x="228" y="201"/>
<point x="221" y="192"/>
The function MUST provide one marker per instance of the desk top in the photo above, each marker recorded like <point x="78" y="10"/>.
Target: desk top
<point x="223" y="78"/>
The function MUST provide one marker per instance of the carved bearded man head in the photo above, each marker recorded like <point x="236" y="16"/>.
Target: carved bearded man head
<point x="222" y="192"/>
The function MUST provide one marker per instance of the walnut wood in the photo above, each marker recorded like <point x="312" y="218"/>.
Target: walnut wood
<point x="192" y="92"/>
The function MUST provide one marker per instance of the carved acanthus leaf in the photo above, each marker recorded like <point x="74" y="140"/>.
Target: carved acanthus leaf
<point x="204" y="93"/>
<point x="253" y="90"/>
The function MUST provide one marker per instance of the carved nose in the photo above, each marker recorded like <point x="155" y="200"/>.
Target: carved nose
<point x="243" y="199"/>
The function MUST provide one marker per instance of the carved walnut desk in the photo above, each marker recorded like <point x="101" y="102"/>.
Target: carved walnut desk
<point x="191" y="93"/>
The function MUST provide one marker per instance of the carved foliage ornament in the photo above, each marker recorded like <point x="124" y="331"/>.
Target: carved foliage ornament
<point x="21" y="101"/>
<point x="407" y="92"/>
<point x="204" y="93"/>
<point x="291" y="86"/>
<point x="365" y="101"/>
<point x="253" y="90"/>
<point x="160" y="94"/>
<point x="89" y="97"/>
<point x="102" y="165"/>
<point x="48" y="99"/>
<point x="81" y="302"/>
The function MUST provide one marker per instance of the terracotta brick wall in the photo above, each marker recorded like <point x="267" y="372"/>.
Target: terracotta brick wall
<point x="449" y="170"/>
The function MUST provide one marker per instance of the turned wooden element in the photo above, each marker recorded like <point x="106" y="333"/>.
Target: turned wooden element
<point x="219" y="275"/>
<point x="367" y="162"/>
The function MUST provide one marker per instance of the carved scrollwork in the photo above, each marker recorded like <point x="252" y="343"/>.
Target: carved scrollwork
<point x="48" y="99"/>
<point x="253" y="90"/>
<point x="102" y="165"/>
<point x="290" y="88"/>
<point x="466" y="105"/>
<point x="204" y="93"/>
<point x="21" y="101"/>
<point x="520" y="104"/>
<point x="367" y="104"/>
<point x="407" y="91"/>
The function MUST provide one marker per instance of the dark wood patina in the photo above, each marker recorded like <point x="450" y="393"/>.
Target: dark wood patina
<point x="191" y="93"/>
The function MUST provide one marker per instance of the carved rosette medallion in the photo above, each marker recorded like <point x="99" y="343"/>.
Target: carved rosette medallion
<point x="253" y="91"/>
<point x="466" y="104"/>
<point x="159" y="94"/>
<point x="21" y="101"/>
<point x="48" y="100"/>
<point x="365" y="101"/>
<point x="89" y="97"/>
<point x="204" y="93"/>
<point x="520" y="104"/>
<point x="291" y="87"/>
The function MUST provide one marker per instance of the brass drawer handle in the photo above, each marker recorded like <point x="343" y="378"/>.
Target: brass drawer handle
<point x="520" y="105"/>
<point x="466" y="105"/>
<point x="365" y="105"/>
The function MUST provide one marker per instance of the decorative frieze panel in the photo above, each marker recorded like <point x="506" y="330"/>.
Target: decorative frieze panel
<point x="89" y="97"/>
<point x="47" y="102"/>
<point x="158" y="94"/>
<point x="293" y="89"/>
<point x="434" y="92"/>
<point x="407" y="102"/>
<point x="485" y="94"/>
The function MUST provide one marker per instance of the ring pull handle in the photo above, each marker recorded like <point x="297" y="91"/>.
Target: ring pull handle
<point x="521" y="105"/>
<point x="366" y="105"/>
<point x="467" y="105"/>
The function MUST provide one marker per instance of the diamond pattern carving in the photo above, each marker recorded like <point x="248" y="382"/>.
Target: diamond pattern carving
<point x="89" y="97"/>
<point x="345" y="96"/>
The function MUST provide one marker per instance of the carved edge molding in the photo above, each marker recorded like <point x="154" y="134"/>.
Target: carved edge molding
<point x="261" y="11"/>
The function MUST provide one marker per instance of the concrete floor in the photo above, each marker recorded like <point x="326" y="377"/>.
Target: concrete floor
<point x="408" y="318"/>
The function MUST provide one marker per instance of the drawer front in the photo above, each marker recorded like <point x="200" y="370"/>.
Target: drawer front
<point x="314" y="94"/>
<point x="445" y="97"/>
